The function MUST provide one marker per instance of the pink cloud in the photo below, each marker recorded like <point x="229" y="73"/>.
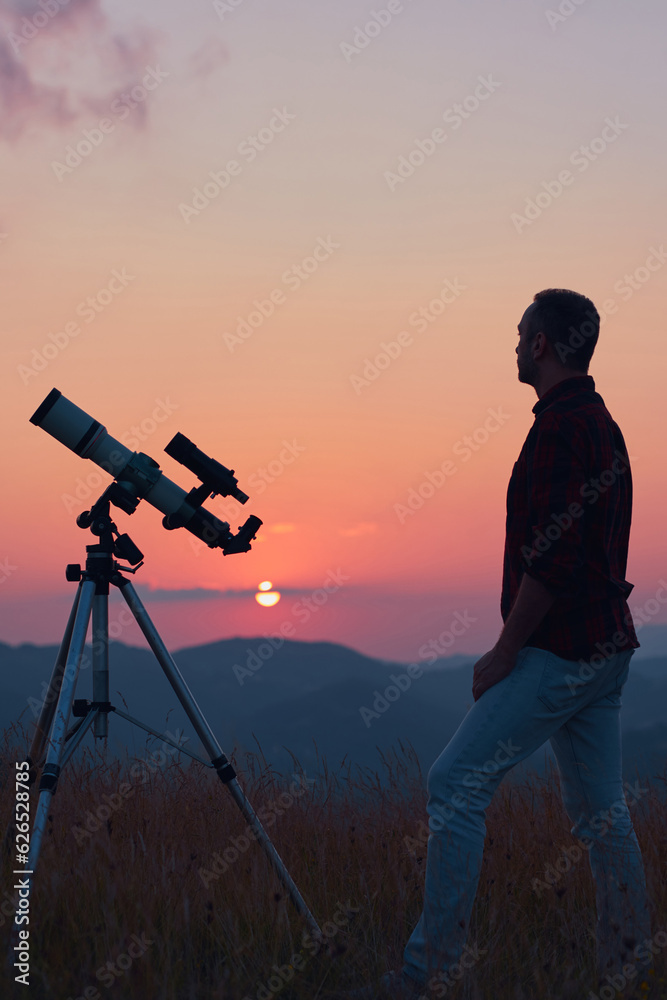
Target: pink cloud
<point x="58" y="64"/>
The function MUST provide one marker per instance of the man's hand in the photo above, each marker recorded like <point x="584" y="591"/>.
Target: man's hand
<point x="490" y="669"/>
<point x="531" y="604"/>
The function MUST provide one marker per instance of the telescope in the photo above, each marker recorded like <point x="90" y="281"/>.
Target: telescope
<point x="138" y="477"/>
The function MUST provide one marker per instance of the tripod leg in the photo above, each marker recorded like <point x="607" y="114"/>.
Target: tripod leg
<point x="49" y="779"/>
<point x="46" y="714"/>
<point x="75" y="736"/>
<point x="101" y="656"/>
<point x="51" y="696"/>
<point x="225" y="770"/>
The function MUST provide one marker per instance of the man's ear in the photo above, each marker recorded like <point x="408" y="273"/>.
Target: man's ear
<point x="539" y="343"/>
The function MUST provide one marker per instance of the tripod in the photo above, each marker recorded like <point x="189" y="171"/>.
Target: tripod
<point x="92" y="598"/>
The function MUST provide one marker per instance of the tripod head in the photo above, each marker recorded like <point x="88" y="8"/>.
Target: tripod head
<point x="98" y="519"/>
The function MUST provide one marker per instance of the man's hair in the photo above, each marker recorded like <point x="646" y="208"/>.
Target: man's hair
<point x="571" y="324"/>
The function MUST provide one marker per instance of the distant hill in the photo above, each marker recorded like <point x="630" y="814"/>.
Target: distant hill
<point x="306" y="697"/>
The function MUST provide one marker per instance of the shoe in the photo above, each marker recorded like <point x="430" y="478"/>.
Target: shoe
<point x="393" y="986"/>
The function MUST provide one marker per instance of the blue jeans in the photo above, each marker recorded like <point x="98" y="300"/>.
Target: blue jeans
<point x="576" y="706"/>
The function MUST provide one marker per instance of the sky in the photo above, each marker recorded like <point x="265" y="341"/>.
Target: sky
<point x="303" y="236"/>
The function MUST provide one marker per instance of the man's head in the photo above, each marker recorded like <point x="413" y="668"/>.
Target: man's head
<point x="557" y="336"/>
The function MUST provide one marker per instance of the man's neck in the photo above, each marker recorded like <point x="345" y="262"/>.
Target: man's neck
<point x="549" y="379"/>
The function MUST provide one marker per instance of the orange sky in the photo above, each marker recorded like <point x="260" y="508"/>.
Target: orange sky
<point x="312" y="214"/>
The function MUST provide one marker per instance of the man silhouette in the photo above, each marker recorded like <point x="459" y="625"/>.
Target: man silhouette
<point x="558" y="668"/>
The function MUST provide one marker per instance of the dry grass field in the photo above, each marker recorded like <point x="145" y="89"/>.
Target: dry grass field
<point x="147" y="887"/>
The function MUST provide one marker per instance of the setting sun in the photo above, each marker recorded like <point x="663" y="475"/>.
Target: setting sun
<point x="265" y="596"/>
<point x="268" y="598"/>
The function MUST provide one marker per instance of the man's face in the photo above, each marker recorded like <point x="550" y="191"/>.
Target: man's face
<point x="528" y="369"/>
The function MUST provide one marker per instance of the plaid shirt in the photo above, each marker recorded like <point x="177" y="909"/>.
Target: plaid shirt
<point x="569" y="506"/>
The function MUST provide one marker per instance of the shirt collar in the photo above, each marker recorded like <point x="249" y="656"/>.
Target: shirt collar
<point x="568" y="387"/>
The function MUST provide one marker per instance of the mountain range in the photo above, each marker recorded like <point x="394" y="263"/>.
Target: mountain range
<point x="318" y="701"/>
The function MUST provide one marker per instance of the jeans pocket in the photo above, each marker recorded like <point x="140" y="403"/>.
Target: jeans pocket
<point x="614" y="696"/>
<point x="558" y="685"/>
